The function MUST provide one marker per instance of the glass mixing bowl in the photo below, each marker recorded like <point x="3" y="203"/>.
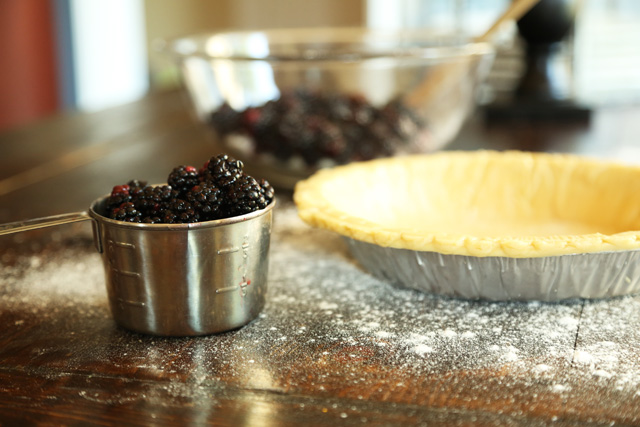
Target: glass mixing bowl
<point x="290" y="101"/>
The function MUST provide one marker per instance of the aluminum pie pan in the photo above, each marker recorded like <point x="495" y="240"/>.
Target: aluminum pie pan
<point x="486" y="225"/>
<point x="592" y="275"/>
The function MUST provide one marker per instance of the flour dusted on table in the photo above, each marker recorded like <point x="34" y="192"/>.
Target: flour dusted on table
<point x="326" y="322"/>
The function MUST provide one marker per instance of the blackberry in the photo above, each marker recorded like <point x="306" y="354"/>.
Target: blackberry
<point x="183" y="178"/>
<point x="267" y="190"/>
<point x="153" y="200"/>
<point x="339" y="109"/>
<point x="223" y="170"/>
<point x="245" y="195"/>
<point x="225" y="119"/>
<point x="119" y="195"/>
<point x="264" y="132"/>
<point x="169" y="217"/>
<point x="268" y="118"/>
<point x="219" y="190"/>
<point x="250" y="117"/>
<point x="152" y="220"/>
<point x="382" y="138"/>
<point x="284" y="128"/>
<point x="137" y="183"/>
<point x="181" y="211"/>
<point x="329" y="140"/>
<point x="405" y="122"/>
<point x="163" y="193"/>
<point x="126" y="212"/>
<point x="136" y="187"/>
<point x="293" y="135"/>
<point x="363" y="112"/>
<point x="206" y="199"/>
<point x="291" y="101"/>
<point x="125" y="193"/>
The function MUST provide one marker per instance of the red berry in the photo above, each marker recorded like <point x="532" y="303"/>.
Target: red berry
<point x="120" y="190"/>
<point x="251" y="116"/>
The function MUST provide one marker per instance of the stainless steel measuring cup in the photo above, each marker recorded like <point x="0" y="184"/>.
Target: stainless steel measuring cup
<point x="178" y="279"/>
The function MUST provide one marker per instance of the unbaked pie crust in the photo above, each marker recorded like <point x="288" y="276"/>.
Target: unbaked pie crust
<point x="482" y="203"/>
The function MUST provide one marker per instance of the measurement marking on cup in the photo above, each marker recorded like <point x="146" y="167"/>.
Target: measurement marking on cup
<point x="126" y="284"/>
<point x="123" y="245"/>
<point x="126" y="273"/>
<point x="133" y="303"/>
<point x="242" y="286"/>
<point x="233" y="249"/>
<point x="230" y="250"/>
<point x="245" y="253"/>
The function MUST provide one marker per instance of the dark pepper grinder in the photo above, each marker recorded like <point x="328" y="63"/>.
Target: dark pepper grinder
<point x="544" y="91"/>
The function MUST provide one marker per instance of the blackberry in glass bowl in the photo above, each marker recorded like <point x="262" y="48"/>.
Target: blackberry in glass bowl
<point x="288" y="102"/>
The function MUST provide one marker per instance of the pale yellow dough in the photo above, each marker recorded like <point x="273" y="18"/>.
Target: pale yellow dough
<point x="481" y="203"/>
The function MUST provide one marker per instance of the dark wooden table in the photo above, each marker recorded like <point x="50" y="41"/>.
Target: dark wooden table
<point x="333" y="345"/>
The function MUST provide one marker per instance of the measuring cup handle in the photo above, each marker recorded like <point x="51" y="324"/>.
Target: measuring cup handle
<point x="49" y="221"/>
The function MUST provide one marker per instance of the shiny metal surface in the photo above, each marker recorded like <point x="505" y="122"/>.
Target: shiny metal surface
<point x="554" y="278"/>
<point x="185" y="279"/>
<point x="48" y="221"/>
<point x="177" y="279"/>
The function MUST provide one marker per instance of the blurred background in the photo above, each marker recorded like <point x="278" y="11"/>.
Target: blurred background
<point x="87" y="55"/>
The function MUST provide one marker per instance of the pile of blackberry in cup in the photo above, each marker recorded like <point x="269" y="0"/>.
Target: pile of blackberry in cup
<point x="220" y="189"/>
